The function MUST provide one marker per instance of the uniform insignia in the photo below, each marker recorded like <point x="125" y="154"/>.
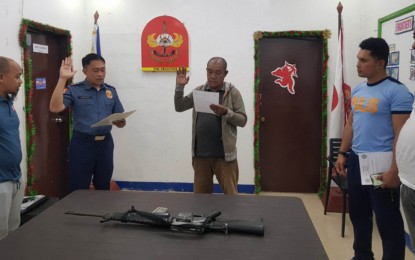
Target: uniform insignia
<point x="109" y="94"/>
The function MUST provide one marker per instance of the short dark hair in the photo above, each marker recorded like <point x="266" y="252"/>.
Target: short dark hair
<point x="220" y="59"/>
<point x="378" y="48"/>
<point x="4" y="64"/>
<point x="90" y="57"/>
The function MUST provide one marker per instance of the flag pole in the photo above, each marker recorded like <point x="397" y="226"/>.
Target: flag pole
<point x="96" y="16"/>
<point x="96" y="42"/>
<point x="339" y="12"/>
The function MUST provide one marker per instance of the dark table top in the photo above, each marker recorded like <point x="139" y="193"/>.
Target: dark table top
<point x="289" y="232"/>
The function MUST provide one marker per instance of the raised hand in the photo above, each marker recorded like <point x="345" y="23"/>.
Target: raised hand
<point x="181" y="78"/>
<point x="66" y="71"/>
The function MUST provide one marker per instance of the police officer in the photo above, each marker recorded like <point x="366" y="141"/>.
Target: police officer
<point x="91" y="149"/>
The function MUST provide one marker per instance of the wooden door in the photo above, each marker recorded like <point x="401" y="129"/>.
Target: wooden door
<point x="48" y="144"/>
<point x="290" y="111"/>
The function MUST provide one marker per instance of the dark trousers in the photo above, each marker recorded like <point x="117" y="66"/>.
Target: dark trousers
<point x="90" y="159"/>
<point x="363" y="201"/>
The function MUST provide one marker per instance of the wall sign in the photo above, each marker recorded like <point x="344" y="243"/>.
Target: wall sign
<point x="164" y="45"/>
<point x="40" y="48"/>
<point x="40" y="83"/>
<point x="404" y="25"/>
<point x="397" y="29"/>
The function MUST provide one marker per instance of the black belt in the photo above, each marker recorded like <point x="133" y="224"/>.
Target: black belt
<point x="90" y="137"/>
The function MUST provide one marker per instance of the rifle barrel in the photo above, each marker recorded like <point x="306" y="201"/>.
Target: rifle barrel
<point x="237" y="226"/>
<point x="84" y="214"/>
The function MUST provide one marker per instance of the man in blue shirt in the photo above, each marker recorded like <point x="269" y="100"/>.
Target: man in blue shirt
<point x="91" y="149"/>
<point x="380" y="107"/>
<point x="11" y="192"/>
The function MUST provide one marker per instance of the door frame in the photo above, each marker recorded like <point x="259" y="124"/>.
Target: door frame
<point x="325" y="35"/>
<point x="25" y="26"/>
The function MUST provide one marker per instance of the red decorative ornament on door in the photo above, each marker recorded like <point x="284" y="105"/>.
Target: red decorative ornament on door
<point x="285" y="76"/>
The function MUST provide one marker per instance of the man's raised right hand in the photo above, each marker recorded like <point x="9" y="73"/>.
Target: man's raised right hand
<point x="181" y="78"/>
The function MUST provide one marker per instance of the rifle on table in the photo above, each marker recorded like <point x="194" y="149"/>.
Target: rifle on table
<point x="184" y="221"/>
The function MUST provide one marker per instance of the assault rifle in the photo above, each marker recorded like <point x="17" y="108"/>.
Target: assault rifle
<point x="185" y="221"/>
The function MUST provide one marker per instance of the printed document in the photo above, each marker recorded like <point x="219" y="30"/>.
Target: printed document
<point x="203" y="99"/>
<point x="373" y="163"/>
<point x="113" y="117"/>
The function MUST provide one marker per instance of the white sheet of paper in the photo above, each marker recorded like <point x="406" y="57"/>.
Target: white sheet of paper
<point x="372" y="163"/>
<point x="203" y="99"/>
<point x="113" y="117"/>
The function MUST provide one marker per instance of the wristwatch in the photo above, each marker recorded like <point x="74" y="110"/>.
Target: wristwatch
<point x="342" y="153"/>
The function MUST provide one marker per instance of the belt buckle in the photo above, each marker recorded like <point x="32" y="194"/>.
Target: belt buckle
<point x="99" y="137"/>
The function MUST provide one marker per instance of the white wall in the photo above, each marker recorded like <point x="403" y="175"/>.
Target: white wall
<point x="11" y="13"/>
<point x="155" y="145"/>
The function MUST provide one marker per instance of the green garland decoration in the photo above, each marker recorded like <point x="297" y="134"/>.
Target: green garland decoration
<point x="25" y="25"/>
<point x="325" y="34"/>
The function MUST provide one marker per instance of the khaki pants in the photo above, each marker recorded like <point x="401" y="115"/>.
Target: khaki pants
<point x="227" y="174"/>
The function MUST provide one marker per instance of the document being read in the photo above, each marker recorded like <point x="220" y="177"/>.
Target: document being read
<point x="203" y="99"/>
<point x="373" y="163"/>
<point x="113" y="117"/>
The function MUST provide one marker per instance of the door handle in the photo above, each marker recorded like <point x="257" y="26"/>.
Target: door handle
<point x="263" y="119"/>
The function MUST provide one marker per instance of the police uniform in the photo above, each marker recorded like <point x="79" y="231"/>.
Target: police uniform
<point x="91" y="148"/>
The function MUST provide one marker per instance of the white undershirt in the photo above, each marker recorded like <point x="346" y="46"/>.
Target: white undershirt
<point x="405" y="152"/>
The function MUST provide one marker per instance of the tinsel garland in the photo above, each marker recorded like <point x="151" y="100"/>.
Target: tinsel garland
<point x="31" y="188"/>
<point x="325" y="34"/>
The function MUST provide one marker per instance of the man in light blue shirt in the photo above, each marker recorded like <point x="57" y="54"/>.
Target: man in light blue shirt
<point x="380" y="107"/>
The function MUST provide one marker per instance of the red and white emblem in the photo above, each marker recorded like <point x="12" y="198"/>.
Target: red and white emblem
<point x="285" y="76"/>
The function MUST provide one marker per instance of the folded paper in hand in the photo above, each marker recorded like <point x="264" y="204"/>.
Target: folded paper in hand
<point x="113" y="117"/>
<point x="373" y="163"/>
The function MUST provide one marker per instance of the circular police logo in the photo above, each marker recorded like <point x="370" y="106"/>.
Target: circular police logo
<point x="109" y="94"/>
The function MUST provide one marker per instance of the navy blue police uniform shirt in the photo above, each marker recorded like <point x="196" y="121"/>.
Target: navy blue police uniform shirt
<point x="10" y="149"/>
<point x="91" y="105"/>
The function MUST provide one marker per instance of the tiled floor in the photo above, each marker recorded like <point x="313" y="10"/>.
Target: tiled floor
<point x="329" y="229"/>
